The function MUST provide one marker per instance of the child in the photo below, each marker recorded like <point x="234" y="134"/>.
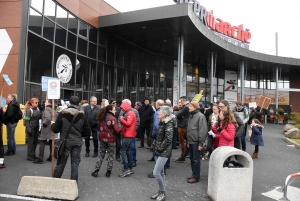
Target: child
<point x="256" y="137"/>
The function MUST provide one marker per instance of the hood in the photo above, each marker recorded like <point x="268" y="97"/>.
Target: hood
<point x="125" y="106"/>
<point x="15" y="103"/>
<point x="260" y="126"/>
<point x="169" y="118"/>
<point x="73" y="110"/>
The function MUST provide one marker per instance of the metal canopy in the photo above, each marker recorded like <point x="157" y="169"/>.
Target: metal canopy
<point x="158" y="29"/>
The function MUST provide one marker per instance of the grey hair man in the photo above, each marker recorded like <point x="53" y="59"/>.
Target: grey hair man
<point x="11" y="121"/>
<point x="91" y="112"/>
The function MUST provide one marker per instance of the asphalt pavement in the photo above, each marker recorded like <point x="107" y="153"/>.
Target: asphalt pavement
<point x="275" y="162"/>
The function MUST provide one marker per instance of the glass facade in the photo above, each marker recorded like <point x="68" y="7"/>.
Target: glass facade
<point x="103" y="65"/>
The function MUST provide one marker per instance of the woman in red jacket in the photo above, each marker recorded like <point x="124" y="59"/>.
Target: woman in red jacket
<point x="225" y="129"/>
<point x="107" y="128"/>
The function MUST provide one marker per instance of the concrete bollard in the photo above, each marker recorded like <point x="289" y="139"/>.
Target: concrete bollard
<point x="230" y="184"/>
<point x="48" y="187"/>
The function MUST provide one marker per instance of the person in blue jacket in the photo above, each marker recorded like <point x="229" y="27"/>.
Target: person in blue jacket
<point x="256" y="136"/>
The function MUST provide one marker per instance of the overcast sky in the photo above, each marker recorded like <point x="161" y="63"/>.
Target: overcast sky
<point x="262" y="17"/>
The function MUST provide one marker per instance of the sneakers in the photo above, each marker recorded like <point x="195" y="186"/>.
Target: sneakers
<point x="125" y="173"/>
<point x="155" y="195"/>
<point x="2" y="166"/>
<point x="38" y="161"/>
<point x="150" y="175"/>
<point x="131" y="171"/>
<point x="161" y="196"/>
<point x="30" y="159"/>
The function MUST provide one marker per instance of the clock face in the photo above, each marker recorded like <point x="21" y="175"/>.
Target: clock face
<point x="64" y="68"/>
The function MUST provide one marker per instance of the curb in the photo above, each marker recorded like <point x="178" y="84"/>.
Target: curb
<point x="291" y="142"/>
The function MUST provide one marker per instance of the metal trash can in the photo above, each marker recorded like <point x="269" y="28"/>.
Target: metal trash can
<point x="230" y="184"/>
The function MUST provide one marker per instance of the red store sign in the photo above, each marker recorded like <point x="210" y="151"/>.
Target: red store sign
<point x="218" y="25"/>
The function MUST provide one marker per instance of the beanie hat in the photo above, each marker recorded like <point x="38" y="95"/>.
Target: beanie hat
<point x="195" y="104"/>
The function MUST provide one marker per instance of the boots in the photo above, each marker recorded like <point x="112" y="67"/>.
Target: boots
<point x="254" y="155"/>
<point x="95" y="173"/>
<point x="108" y="173"/>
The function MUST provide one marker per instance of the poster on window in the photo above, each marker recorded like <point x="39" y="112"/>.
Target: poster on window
<point x="231" y="97"/>
<point x="231" y="81"/>
<point x="252" y="95"/>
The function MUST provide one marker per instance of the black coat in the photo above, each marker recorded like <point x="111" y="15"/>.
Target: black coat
<point x="11" y="111"/>
<point x="79" y="129"/>
<point x="146" y="112"/>
<point x="91" y="115"/>
<point x="162" y="146"/>
<point x="183" y="116"/>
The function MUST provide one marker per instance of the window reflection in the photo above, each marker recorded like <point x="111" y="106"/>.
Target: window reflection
<point x="50" y="9"/>
<point x="35" y="21"/>
<point x="102" y="54"/>
<point x="73" y="23"/>
<point x="72" y="41"/>
<point x="82" y="46"/>
<point x="61" y="16"/>
<point x="93" y="34"/>
<point x="60" y="36"/>
<point x="99" y="77"/>
<point x="82" y="74"/>
<point x="92" y="50"/>
<point x="82" y="29"/>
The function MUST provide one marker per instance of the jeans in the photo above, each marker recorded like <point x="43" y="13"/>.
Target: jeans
<point x="11" y="142"/>
<point x="158" y="171"/>
<point x="75" y="160"/>
<point x="195" y="161"/>
<point x="126" y="153"/>
<point x="95" y="141"/>
<point x="133" y="150"/>
<point x="175" y="134"/>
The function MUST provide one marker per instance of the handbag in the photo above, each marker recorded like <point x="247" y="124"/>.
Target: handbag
<point x="60" y="145"/>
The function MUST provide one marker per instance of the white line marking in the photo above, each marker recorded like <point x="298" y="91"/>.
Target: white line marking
<point x="21" y="197"/>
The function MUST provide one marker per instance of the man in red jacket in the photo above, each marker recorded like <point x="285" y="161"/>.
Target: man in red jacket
<point x="128" y="120"/>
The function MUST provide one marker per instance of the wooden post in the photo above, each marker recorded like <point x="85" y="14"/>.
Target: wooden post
<point x="2" y="87"/>
<point x="53" y="138"/>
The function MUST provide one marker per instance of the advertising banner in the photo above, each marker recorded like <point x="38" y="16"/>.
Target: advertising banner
<point x="230" y="81"/>
<point x="53" y="89"/>
<point x="252" y="95"/>
<point x="45" y="82"/>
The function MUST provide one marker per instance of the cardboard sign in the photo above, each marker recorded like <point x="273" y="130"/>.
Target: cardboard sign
<point x="53" y="89"/>
<point x="252" y="104"/>
<point x="198" y="97"/>
<point x="263" y="102"/>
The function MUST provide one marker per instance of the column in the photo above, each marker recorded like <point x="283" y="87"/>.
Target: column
<point x="180" y="65"/>
<point x="211" y="77"/>
<point x="242" y="78"/>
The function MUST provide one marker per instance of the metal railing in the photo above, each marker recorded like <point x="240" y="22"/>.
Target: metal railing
<point x="290" y="179"/>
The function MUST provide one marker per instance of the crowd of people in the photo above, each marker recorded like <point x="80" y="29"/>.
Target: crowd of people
<point x="159" y="127"/>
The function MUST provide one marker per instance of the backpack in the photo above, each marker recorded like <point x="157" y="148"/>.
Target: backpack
<point x="19" y="114"/>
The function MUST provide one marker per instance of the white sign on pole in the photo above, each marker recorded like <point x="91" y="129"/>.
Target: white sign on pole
<point x="53" y="89"/>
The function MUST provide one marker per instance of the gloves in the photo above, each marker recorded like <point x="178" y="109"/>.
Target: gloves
<point x="219" y="130"/>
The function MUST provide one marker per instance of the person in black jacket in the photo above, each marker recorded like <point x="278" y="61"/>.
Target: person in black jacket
<point x="146" y="112"/>
<point x="80" y="128"/>
<point x="11" y="122"/>
<point x="1" y="141"/>
<point x="91" y="112"/>
<point x="162" y="148"/>
<point x="258" y="114"/>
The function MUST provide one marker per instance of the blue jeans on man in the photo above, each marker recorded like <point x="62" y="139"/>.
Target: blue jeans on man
<point x="126" y="153"/>
<point x="195" y="161"/>
<point x="11" y="142"/>
<point x="133" y="150"/>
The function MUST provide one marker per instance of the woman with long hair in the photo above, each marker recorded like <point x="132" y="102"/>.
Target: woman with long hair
<point x="32" y="116"/>
<point x="107" y="128"/>
<point x="256" y="136"/>
<point x="225" y="129"/>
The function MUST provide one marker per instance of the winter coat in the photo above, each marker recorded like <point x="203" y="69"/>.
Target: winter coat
<point x="1" y="117"/>
<point x="146" y="112"/>
<point x="155" y="123"/>
<point x="137" y="126"/>
<point x="243" y="113"/>
<point x="80" y="128"/>
<point x="11" y="111"/>
<point x="32" y="118"/>
<point x="225" y="137"/>
<point x="46" y="133"/>
<point x="258" y="116"/>
<point x="128" y="122"/>
<point x="241" y="125"/>
<point x="252" y="115"/>
<point x="183" y="116"/>
<point x="108" y="128"/>
<point x="162" y="146"/>
<point x="197" y="128"/>
<point x="91" y="115"/>
<point x="256" y="136"/>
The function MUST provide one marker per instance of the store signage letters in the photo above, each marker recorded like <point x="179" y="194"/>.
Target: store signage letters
<point x="218" y="25"/>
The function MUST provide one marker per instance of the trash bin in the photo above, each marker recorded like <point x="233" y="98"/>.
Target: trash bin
<point x="232" y="184"/>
